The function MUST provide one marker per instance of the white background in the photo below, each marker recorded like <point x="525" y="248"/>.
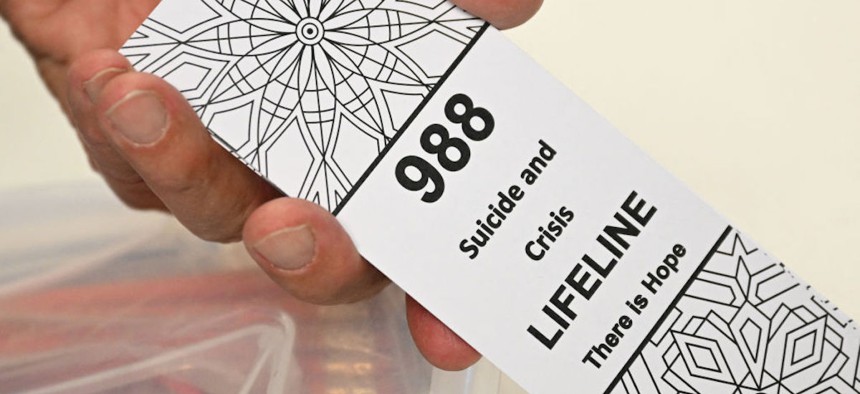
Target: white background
<point x="767" y="91"/>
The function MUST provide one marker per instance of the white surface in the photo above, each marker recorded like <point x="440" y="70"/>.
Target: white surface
<point x="39" y="146"/>
<point x="703" y="86"/>
<point x="494" y="299"/>
<point x="706" y="86"/>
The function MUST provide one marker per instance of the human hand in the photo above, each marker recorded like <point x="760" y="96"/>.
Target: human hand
<point x="148" y="144"/>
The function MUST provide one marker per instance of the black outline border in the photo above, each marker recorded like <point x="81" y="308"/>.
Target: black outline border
<point x="411" y="119"/>
<point x="668" y="310"/>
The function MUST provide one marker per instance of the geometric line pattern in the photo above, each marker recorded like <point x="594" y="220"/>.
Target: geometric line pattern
<point x="747" y="325"/>
<point x="306" y="92"/>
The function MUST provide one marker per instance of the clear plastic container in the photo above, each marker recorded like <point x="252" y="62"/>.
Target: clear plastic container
<point x="97" y="298"/>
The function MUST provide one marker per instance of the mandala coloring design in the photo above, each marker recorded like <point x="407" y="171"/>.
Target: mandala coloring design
<point x="746" y="326"/>
<point x="305" y="92"/>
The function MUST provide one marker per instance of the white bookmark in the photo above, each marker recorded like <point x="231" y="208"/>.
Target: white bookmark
<point x="497" y="198"/>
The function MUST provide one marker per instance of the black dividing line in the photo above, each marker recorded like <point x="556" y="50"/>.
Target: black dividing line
<point x="668" y="310"/>
<point x="411" y="118"/>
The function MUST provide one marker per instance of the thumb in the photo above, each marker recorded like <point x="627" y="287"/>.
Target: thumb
<point x="304" y="249"/>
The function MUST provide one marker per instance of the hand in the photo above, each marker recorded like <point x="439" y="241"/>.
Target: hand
<point x="148" y="144"/>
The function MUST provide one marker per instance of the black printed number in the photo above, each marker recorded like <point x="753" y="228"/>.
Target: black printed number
<point x="468" y="115"/>
<point x="427" y="174"/>
<point x="437" y="141"/>
<point x="452" y="153"/>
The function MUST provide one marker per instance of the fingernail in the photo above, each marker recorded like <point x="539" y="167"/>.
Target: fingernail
<point x="140" y="117"/>
<point x="94" y="86"/>
<point x="288" y="249"/>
